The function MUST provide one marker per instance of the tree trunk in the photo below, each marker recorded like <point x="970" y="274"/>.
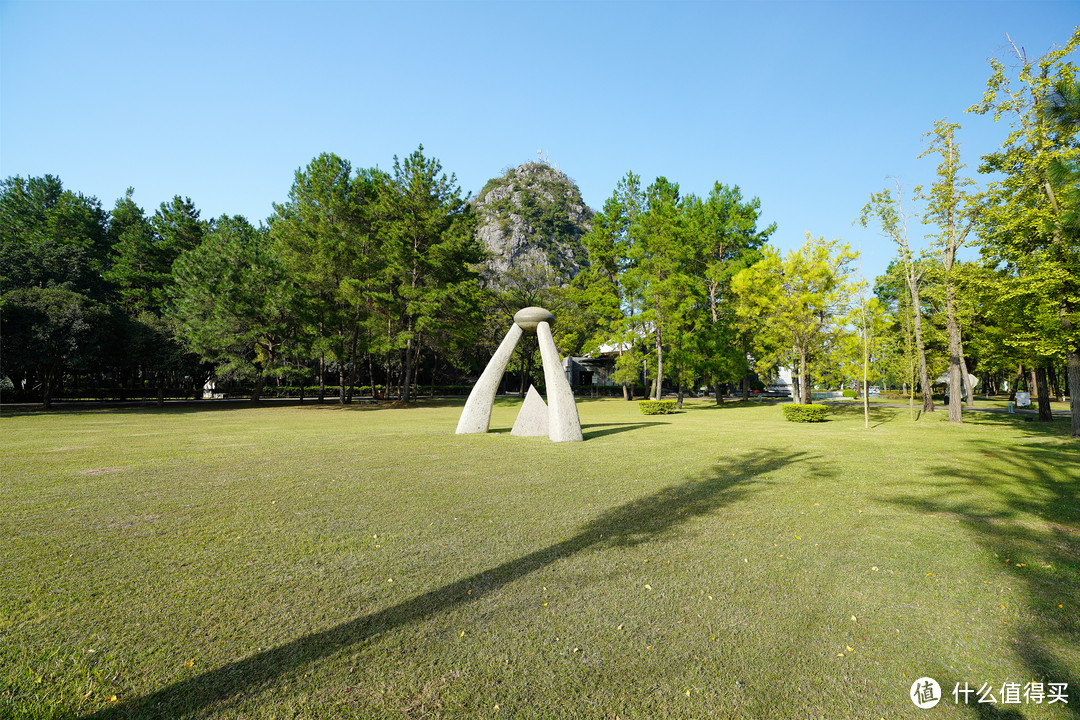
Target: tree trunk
<point x="719" y="395"/>
<point x="659" y="366"/>
<point x="47" y="389"/>
<point x="804" y="379"/>
<point x="626" y="394"/>
<point x="920" y="348"/>
<point x="256" y="392"/>
<point x="322" y="377"/>
<point x="371" y="374"/>
<point x="956" y="379"/>
<point x="1016" y="383"/>
<point x="1073" y="360"/>
<point x="746" y="386"/>
<point x="352" y="363"/>
<point x="865" y="376"/>
<point x="1046" y="414"/>
<point x="418" y="348"/>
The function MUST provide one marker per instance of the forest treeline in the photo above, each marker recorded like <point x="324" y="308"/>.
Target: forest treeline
<point x="363" y="278"/>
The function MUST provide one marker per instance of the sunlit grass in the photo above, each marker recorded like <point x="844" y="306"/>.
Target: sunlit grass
<point x="322" y="562"/>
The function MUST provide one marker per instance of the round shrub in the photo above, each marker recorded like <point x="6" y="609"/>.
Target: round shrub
<point x="805" y="413"/>
<point x="656" y="407"/>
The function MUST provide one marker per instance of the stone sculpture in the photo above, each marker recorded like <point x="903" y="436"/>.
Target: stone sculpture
<point x="563" y="424"/>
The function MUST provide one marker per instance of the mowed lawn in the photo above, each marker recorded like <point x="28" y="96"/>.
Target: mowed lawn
<point x="362" y="562"/>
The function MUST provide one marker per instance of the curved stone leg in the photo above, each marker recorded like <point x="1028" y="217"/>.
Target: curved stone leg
<point x="563" y="422"/>
<point x="476" y="416"/>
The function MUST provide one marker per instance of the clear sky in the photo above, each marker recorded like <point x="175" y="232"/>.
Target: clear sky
<point x="809" y="106"/>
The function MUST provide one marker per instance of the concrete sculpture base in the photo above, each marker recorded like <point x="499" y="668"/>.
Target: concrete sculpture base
<point x="562" y="422"/>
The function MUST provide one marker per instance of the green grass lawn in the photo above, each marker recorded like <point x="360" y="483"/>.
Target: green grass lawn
<point x="362" y="562"/>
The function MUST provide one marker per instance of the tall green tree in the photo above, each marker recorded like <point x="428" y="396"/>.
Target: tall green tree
<point x="889" y="212"/>
<point x="658" y="259"/>
<point x="427" y="232"/>
<point x="324" y="236"/>
<point x="608" y="291"/>
<point x="795" y="303"/>
<point x="139" y="268"/>
<point x="233" y="303"/>
<point x="49" y="331"/>
<point x="51" y="237"/>
<point x="1023" y="223"/>
<point x="952" y="210"/>
<point x="727" y="238"/>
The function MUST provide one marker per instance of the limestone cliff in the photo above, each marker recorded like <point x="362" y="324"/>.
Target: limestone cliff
<point x="533" y="215"/>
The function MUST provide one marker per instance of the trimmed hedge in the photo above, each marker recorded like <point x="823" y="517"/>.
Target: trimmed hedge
<point x="805" y="413"/>
<point x="850" y="394"/>
<point x="656" y="407"/>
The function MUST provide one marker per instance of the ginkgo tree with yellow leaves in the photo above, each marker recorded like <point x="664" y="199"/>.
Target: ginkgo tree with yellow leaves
<point x="796" y="304"/>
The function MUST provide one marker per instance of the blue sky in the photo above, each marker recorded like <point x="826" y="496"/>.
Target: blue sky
<point x="809" y="106"/>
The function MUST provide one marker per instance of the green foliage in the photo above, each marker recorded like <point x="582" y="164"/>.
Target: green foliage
<point x="51" y="237"/>
<point x="656" y="407"/>
<point x="795" y="303"/>
<point x="849" y="393"/>
<point x="232" y="302"/>
<point x="805" y="413"/>
<point x="426" y="282"/>
<point x="49" y="331"/>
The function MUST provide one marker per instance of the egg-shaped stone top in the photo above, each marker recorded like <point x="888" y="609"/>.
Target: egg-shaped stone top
<point x="528" y="318"/>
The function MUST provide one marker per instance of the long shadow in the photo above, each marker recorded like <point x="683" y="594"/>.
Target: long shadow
<point x="612" y="428"/>
<point x="1025" y="422"/>
<point x="187" y="407"/>
<point x="878" y="415"/>
<point x="638" y="521"/>
<point x="1033" y="513"/>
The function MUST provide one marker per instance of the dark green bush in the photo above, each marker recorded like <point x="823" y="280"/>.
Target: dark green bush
<point x="805" y="413"/>
<point x="656" y="407"/>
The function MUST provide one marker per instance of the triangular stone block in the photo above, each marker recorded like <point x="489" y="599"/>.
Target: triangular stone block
<point x="532" y="419"/>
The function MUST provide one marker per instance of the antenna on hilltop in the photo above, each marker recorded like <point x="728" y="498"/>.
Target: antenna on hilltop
<point x="539" y="154"/>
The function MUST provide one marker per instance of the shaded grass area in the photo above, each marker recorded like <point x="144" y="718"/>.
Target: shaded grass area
<point x="362" y="562"/>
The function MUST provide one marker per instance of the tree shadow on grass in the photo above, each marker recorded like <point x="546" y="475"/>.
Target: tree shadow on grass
<point x="1024" y="508"/>
<point x="589" y="433"/>
<point x="1024" y="422"/>
<point x="878" y="415"/>
<point x="646" y="519"/>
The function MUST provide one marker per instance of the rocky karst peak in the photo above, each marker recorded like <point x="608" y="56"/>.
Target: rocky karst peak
<point x="533" y="215"/>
